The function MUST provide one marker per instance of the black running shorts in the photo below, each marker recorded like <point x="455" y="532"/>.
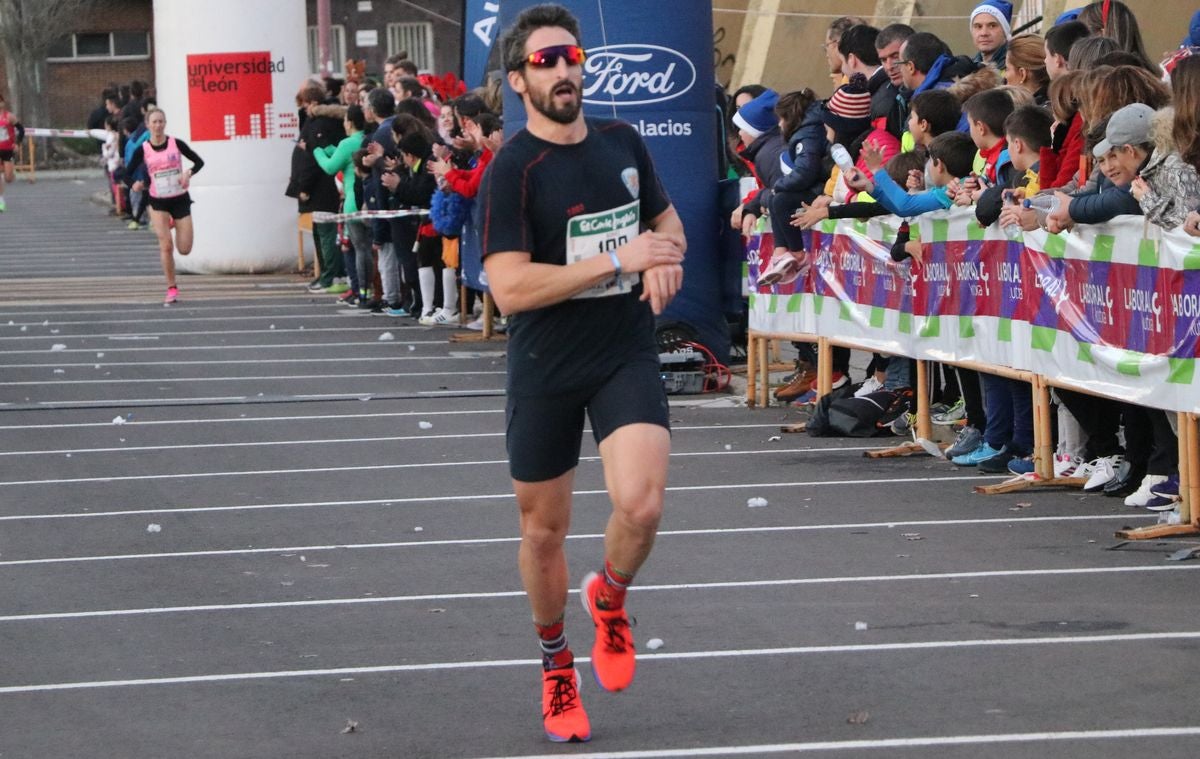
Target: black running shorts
<point x="6" y="156"/>
<point x="180" y="206"/>
<point x="544" y="432"/>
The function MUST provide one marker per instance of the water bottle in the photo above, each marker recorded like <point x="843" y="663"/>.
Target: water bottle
<point x="1012" y="231"/>
<point x="842" y="158"/>
<point x="1044" y="205"/>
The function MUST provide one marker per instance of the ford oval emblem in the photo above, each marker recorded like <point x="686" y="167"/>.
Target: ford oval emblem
<point x="621" y="75"/>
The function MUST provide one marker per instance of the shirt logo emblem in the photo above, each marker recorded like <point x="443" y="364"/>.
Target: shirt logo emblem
<point x="630" y="178"/>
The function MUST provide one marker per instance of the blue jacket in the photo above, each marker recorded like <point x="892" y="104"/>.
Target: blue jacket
<point x="134" y="143"/>
<point x="804" y="160"/>
<point x="764" y="154"/>
<point x="1107" y="201"/>
<point x="893" y="197"/>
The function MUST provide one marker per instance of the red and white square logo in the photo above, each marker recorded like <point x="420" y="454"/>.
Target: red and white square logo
<point x="230" y="96"/>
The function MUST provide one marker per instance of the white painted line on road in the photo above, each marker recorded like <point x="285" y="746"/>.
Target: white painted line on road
<point x="255" y="378"/>
<point x="260" y="419"/>
<point x="55" y="311"/>
<point x="451" y="542"/>
<point x="310" y="314"/>
<point x="287" y="398"/>
<point x="866" y="648"/>
<point x="106" y="349"/>
<point x="380" y="326"/>
<point x="385" y="467"/>
<point x="1133" y="733"/>
<point x="92" y="365"/>
<point x="393" y="438"/>
<point x="443" y="597"/>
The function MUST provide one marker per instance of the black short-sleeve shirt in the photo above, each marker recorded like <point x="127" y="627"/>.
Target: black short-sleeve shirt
<point x="560" y="204"/>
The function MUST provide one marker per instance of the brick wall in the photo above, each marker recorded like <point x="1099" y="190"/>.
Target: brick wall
<point x="74" y="88"/>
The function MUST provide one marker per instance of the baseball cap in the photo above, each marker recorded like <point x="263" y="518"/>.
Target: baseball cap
<point x="1129" y="126"/>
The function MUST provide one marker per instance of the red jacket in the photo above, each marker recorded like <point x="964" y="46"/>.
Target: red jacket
<point x="466" y="181"/>
<point x="1056" y="168"/>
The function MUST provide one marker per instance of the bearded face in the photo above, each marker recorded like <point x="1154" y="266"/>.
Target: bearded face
<point x="560" y="102"/>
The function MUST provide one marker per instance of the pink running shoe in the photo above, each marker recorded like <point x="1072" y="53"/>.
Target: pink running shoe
<point x="613" y="658"/>
<point x="172" y="296"/>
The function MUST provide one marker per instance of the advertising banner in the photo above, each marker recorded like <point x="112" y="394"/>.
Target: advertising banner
<point x="228" y="90"/>
<point x="1112" y="309"/>
<point x="650" y="64"/>
<point x="480" y="30"/>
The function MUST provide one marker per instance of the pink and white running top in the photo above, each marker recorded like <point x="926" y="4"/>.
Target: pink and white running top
<point x="165" y="168"/>
<point x="7" y="138"/>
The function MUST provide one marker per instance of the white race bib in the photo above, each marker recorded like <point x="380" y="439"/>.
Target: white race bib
<point x="168" y="183"/>
<point x="5" y="136"/>
<point x="595" y="234"/>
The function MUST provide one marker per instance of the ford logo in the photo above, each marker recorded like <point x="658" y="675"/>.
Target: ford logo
<point x="636" y="75"/>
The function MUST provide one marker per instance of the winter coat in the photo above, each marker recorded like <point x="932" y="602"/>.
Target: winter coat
<point x="321" y="129"/>
<point x="1108" y="200"/>
<point x="803" y="163"/>
<point x="1174" y="183"/>
<point x="763" y="155"/>
<point x="1059" y="161"/>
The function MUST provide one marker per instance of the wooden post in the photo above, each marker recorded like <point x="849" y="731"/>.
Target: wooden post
<point x="764" y="373"/>
<point x="924" y="424"/>
<point x="752" y="370"/>
<point x="824" y="367"/>
<point x="487" y="315"/>
<point x="1189" y="510"/>
<point x="462" y="303"/>
<point x="1043" y="434"/>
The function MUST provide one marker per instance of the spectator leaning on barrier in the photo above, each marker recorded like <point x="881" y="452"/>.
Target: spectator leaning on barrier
<point x="759" y="131"/>
<point x="1166" y="186"/>
<point x="889" y="104"/>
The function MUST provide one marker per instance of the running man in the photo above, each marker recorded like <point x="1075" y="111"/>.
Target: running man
<point x="169" y="198"/>
<point x="573" y="213"/>
<point x="12" y="134"/>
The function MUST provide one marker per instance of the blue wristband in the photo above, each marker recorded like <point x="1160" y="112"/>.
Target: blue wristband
<point x="616" y="262"/>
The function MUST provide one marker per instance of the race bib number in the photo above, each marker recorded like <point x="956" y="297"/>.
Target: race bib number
<point x="5" y="135"/>
<point x="595" y="234"/>
<point x="168" y="183"/>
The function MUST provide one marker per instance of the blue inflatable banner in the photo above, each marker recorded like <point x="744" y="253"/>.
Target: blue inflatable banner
<point x="481" y="27"/>
<point x="650" y="64"/>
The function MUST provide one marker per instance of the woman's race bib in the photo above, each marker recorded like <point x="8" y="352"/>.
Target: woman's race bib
<point x="595" y="234"/>
<point x="5" y="135"/>
<point x="168" y="183"/>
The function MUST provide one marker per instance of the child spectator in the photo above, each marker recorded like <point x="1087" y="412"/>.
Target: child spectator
<point x="758" y="128"/>
<point x="847" y="119"/>
<point x="1058" y="44"/>
<point x="800" y="122"/>
<point x="1027" y="132"/>
<point x="986" y="113"/>
<point x="1059" y="161"/>
<point x="932" y="113"/>
<point x="950" y="157"/>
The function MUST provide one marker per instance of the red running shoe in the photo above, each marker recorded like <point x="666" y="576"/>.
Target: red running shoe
<point x="563" y="716"/>
<point x="613" y="662"/>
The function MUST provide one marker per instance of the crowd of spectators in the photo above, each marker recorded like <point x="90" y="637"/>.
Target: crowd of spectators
<point x="1071" y="128"/>
<point x="368" y="146"/>
<point x="119" y="121"/>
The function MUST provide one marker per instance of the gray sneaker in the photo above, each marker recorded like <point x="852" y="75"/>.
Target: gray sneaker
<point x="968" y="440"/>
<point x="950" y="415"/>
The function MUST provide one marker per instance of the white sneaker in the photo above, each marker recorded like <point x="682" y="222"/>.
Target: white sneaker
<point x="870" y="385"/>
<point x="444" y="318"/>
<point x="1068" y="466"/>
<point x="1103" y="469"/>
<point x="428" y="318"/>
<point x="476" y="325"/>
<point x="1142" y="495"/>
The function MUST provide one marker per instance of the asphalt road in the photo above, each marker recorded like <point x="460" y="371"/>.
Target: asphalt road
<point x="234" y="527"/>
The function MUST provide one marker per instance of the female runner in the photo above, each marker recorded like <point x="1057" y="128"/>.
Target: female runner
<point x="169" y="199"/>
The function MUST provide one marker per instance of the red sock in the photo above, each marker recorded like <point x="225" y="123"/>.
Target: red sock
<point x="555" y="653"/>
<point x="612" y="593"/>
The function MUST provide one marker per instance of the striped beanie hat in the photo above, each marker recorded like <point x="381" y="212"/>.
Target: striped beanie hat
<point x="849" y="110"/>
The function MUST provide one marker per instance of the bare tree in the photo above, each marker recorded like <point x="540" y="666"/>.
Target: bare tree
<point x="27" y="30"/>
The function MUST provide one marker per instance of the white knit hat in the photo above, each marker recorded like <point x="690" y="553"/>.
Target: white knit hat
<point x="1001" y="10"/>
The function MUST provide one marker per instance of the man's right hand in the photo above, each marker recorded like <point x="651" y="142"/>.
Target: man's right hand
<point x="647" y="250"/>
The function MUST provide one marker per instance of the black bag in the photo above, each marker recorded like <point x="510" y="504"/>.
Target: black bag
<point x="818" y="421"/>
<point x="859" y="417"/>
